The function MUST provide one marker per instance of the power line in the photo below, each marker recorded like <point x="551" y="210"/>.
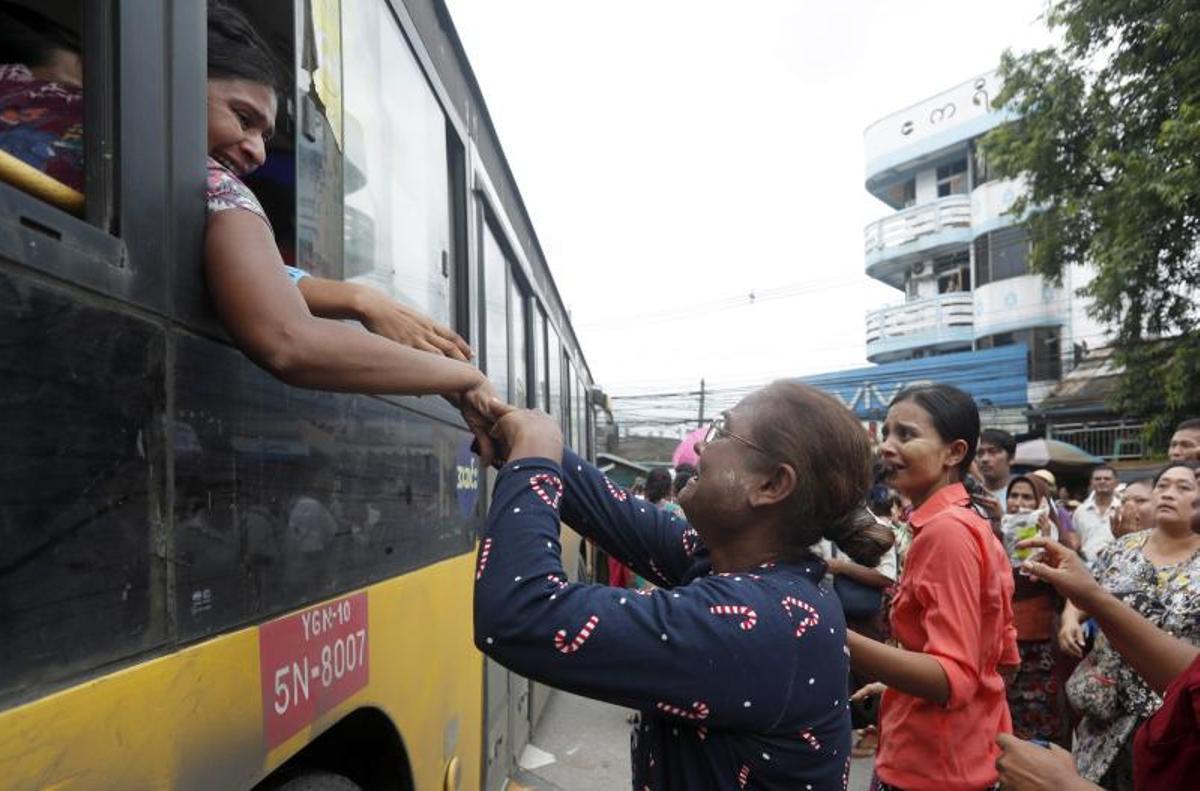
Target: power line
<point x="747" y="299"/>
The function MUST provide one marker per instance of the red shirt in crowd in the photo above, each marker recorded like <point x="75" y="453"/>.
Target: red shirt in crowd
<point x="1166" y="750"/>
<point x="955" y="604"/>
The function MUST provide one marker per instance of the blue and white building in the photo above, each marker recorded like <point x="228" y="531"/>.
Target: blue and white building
<point x="956" y="254"/>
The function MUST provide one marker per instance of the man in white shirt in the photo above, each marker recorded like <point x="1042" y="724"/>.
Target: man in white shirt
<point x="1093" y="519"/>
<point x="994" y="455"/>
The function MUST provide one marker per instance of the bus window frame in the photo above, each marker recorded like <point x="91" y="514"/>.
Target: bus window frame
<point x="462" y="285"/>
<point x="554" y="353"/>
<point x="98" y="109"/>
<point x="86" y="251"/>
<point x="488" y="223"/>
<point x="540" y="387"/>
<point x="521" y="306"/>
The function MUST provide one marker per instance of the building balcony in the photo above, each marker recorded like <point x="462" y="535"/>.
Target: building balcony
<point x="1018" y="303"/>
<point x="943" y="323"/>
<point x="917" y="135"/>
<point x="992" y="202"/>
<point x="931" y="229"/>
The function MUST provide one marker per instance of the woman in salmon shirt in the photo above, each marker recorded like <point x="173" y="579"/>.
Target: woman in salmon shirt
<point x="945" y="700"/>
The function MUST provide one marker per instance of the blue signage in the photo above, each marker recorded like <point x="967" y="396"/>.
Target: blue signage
<point x="993" y="377"/>
<point x="467" y="474"/>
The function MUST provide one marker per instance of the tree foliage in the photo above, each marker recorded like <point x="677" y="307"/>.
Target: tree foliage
<point x="1108" y="136"/>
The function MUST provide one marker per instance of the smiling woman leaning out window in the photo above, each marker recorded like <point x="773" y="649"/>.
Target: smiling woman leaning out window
<point x="284" y="327"/>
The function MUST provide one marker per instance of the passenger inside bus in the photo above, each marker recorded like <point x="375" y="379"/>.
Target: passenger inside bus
<point x="41" y="94"/>
<point x="291" y="331"/>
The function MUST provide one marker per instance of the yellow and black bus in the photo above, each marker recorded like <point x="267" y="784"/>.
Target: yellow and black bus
<point x="210" y="579"/>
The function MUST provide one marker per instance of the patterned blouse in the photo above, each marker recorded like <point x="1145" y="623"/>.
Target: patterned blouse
<point x="1168" y="597"/>
<point x="740" y="678"/>
<point x="224" y="191"/>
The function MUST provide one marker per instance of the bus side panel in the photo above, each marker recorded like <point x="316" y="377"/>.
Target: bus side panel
<point x="193" y="719"/>
<point x="285" y="496"/>
<point x="81" y="485"/>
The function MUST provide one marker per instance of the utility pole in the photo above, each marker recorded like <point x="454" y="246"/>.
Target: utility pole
<point x="700" y="423"/>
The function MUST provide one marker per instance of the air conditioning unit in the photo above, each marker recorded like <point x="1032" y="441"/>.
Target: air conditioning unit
<point x="918" y="268"/>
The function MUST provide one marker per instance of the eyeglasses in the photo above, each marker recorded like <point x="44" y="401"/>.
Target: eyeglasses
<point x="717" y="429"/>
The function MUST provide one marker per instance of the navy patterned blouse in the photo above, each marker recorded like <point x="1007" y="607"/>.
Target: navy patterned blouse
<point x="741" y="678"/>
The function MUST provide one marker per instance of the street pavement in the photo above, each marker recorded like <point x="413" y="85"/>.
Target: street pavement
<point x="582" y="745"/>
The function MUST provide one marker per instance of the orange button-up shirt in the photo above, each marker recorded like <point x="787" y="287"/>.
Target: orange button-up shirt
<point x="955" y="605"/>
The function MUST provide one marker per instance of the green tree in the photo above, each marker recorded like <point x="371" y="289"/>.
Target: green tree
<point x="1107" y="134"/>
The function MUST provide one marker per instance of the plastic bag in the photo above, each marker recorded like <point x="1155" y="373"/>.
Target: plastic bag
<point x="1018" y="527"/>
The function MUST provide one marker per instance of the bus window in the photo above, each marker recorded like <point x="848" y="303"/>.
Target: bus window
<point x="554" y="358"/>
<point x="519" y="390"/>
<point x="398" y="218"/>
<point x="495" y="289"/>
<point x="320" y="213"/>
<point x="42" y="115"/>
<point x="540" y="384"/>
<point x="581" y="410"/>
<point x="572" y="391"/>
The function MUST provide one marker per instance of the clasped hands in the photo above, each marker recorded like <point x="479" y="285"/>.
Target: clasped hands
<point x="503" y="431"/>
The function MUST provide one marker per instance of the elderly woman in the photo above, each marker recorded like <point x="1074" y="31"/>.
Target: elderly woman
<point x="737" y="660"/>
<point x="1157" y="573"/>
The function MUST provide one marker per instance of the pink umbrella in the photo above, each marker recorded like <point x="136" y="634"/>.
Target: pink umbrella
<point x="686" y="452"/>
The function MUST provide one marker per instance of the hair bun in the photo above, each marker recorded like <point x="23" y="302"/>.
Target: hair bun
<point x="859" y="534"/>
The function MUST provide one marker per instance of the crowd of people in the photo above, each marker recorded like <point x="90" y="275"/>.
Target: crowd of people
<point x="980" y="627"/>
<point x="1005" y="656"/>
<point x="972" y="586"/>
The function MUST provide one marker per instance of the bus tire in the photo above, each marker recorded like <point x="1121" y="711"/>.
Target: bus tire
<point x="319" y="781"/>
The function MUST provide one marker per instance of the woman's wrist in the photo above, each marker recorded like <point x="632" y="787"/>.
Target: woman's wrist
<point x="1100" y="603"/>
<point x="363" y="301"/>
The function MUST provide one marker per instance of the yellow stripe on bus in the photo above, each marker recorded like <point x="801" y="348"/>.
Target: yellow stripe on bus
<point x="193" y="719"/>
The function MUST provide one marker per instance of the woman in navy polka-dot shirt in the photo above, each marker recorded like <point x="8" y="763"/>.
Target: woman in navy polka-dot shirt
<point x="737" y="661"/>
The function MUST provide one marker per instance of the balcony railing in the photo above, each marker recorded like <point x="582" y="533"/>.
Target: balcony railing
<point x="1112" y="440"/>
<point x="909" y="226"/>
<point x="942" y="321"/>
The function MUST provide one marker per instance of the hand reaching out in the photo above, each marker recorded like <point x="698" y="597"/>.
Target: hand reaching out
<point x="1062" y="568"/>
<point x="868" y="690"/>
<point x="384" y="316"/>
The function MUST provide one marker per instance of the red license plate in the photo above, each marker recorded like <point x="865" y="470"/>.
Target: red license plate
<point x="310" y="662"/>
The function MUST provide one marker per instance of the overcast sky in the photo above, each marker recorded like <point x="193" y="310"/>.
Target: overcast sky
<point x="676" y="156"/>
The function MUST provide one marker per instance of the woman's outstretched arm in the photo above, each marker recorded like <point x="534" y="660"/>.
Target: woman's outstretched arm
<point x="267" y="318"/>
<point x="659" y="545"/>
<point x="382" y="315"/>
<point x="1157" y="656"/>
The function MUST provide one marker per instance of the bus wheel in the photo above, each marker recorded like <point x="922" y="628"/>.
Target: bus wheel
<point x="319" y="781"/>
